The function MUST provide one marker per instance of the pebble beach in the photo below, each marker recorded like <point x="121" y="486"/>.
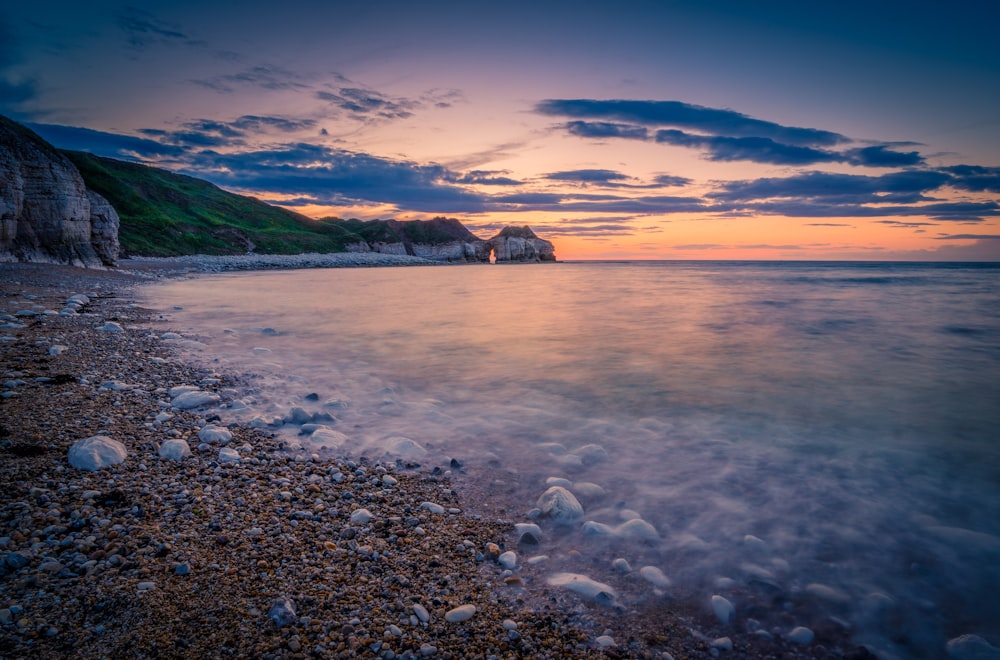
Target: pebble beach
<point x="199" y="539"/>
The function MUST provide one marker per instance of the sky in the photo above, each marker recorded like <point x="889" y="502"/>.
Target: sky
<point x="618" y="130"/>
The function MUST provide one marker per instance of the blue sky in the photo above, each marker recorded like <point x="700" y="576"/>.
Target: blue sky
<point x="616" y="129"/>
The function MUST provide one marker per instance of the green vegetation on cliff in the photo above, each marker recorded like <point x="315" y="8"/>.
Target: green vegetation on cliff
<point x="165" y="214"/>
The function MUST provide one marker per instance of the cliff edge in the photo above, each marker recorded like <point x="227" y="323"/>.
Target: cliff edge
<point x="521" y="245"/>
<point x="46" y="212"/>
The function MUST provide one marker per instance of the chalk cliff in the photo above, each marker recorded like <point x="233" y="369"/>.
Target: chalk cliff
<point x="46" y="212"/>
<point x="520" y="245"/>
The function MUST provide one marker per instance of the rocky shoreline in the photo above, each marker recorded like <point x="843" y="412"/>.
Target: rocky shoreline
<point x="276" y="554"/>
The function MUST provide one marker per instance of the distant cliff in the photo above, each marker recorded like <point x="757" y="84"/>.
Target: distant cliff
<point x="520" y="245"/>
<point x="47" y="214"/>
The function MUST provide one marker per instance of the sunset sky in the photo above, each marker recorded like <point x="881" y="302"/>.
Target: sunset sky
<point x="658" y="130"/>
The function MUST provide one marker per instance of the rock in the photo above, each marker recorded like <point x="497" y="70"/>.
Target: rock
<point x="112" y="327"/>
<point x="213" y="434"/>
<point x="195" y="399"/>
<point x="229" y="455"/>
<point x="361" y="516"/>
<point x="801" y="635"/>
<point x="16" y="560"/>
<point x="297" y="416"/>
<point x="178" y="390"/>
<point x="722" y="644"/>
<point x="508" y="560"/>
<point x="328" y="438"/>
<point x="528" y="533"/>
<point x="46" y="212"/>
<point x="591" y="454"/>
<point x="175" y="449"/>
<point x="282" y="612"/>
<point x="598" y="529"/>
<point x="588" y="491"/>
<point x="432" y="507"/>
<point x="621" y="565"/>
<point x="146" y="586"/>
<point x="558" y="481"/>
<point x="560" y="505"/>
<point x="405" y="448"/>
<point x="520" y="245"/>
<point x="655" y="577"/>
<point x="724" y="610"/>
<point x="421" y="612"/>
<point x="57" y="349"/>
<point x="637" y="530"/>
<point x="461" y="613"/>
<point x="584" y="586"/>
<point x="971" y="647"/>
<point x="96" y="452"/>
<point x="605" y="642"/>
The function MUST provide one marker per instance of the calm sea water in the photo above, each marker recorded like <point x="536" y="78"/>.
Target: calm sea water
<point x="845" y="416"/>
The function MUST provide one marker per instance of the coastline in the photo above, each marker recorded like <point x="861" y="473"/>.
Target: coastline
<point x="89" y="544"/>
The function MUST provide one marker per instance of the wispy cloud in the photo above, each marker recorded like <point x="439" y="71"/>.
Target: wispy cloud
<point x="363" y="103"/>
<point x="757" y="149"/>
<point x="606" y="129"/>
<point x="143" y="29"/>
<point x="262" y="76"/>
<point x="710" y="121"/>
<point x="104" y="144"/>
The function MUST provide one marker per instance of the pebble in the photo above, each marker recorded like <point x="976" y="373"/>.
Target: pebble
<point x="722" y="644"/>
<point x="195" y="399"/>
<point x="586" y="587"/>
<point x="971" y="647"/>
<point x="361" y="516"/>
<point x="528" y="533"/>
<point x="175" y="449"/>
<point x="229" y="455"/>
<point x="421" y="612"/>
<point x="96" y="452"/>
<point x="654" y="576"/>
<point x="282" y="611"/>
<point x="461" y="613"/>
<point x="560" y="505"/>
<point x="213" y="434"/>
<point x="637" y="529"/>
<point x="801" y="635"/>
<point x="146" y="586"/>
<point x="605" y="642"/>
<point x="432" y="507"/>
<point x="508" y="560"/>
<point x="112" y="327"/>
<point x="621" y="565"/>
<point x="724" y="610"/>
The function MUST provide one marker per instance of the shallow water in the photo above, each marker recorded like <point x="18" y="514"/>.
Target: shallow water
<point x="846" y="415"/>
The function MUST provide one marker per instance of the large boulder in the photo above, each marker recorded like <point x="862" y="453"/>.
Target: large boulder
<point x="96" y="452"/>
<point x="46" y="211"/>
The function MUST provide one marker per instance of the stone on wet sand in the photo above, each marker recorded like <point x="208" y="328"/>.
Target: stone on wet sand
<point x="282" y="612"/>
<point x="111" y="327"/>
<point x="405" y="448"/>
<point x="459" y="614"/>
<point x="326" y="437"/>
<point x="597" y="529"/>
<point x="621" y="565"/>
<point x="655" y="577"/>
<point x="560" y="505"/>
<point x="175" y="449"/>
<point x="591" y="454"/>
<point x="96" y="452"/>
<point x="433" y="507"/>
<point x="195" y="399"/>
<point x="723" y="609"/>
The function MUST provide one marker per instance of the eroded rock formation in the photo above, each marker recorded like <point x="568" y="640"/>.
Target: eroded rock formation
<point x="46" y="212"/>
<point x="521" y="245"/>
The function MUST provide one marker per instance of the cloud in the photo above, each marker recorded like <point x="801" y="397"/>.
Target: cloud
<point x="213" y="133"/>
<point x="587" y="176"/>
<point x="143" y="29"/>
<point x="604" y="129"/>
<point x="882" y="156"/>
<point x="486" y="178"/>
<point x="364" y="103"/>
<point x="975" y="178"/>
<point x="757" y="149"/>
<point x="905" y="186"/>
<point x="966" y="237"/>
<point x="100" y="143"/>
<point x="671" y="181"/>
<point x="710" y="121"/>
<point x="261" y="76"/>
<point x="906" y="224"/>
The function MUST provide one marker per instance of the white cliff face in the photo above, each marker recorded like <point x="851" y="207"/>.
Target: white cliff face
<point x="45" y="208"/>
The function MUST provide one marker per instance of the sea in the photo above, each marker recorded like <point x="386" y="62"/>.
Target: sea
<point x="818" y="442"/>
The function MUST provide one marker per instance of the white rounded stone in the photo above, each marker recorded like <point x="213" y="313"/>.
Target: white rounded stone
<point x="586" y="587"/>
<point x="637" y="529"/>
<point x="175" y="449"/>
<point x="211" y="433"/>
<point x="195" y="399"/>
<point x="96" y="452"/>
<point x="655" y="577"/>
<point x="228" y="455"/>
<point x="361" y="516"/>
<point x="508" y="560"/>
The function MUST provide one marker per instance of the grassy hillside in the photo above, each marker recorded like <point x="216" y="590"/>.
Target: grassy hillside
<point x="165" y="214"/>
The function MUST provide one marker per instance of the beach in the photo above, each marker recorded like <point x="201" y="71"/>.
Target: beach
<point x="275" y="553"/>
